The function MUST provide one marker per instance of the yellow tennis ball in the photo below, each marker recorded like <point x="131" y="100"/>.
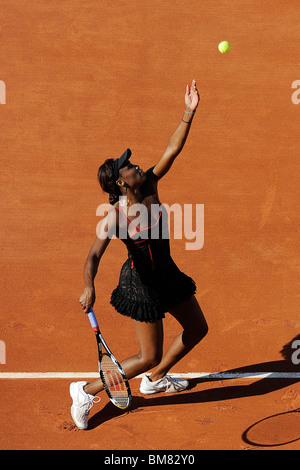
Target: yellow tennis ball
<point x="224" y="47"/>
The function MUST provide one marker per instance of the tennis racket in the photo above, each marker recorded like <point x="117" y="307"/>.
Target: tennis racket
<point x="111" y="372"/>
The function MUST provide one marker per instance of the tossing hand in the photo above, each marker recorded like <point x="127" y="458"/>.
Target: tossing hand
<point x="192" y="97"/>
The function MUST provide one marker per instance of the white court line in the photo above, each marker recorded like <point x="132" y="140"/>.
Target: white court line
<point x="190" y="375"/>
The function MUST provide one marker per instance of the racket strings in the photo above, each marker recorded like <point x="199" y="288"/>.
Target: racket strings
<point x="114" y="381"/>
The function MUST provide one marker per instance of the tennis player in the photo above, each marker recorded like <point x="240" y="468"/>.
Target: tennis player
<point x="150" y="283"/>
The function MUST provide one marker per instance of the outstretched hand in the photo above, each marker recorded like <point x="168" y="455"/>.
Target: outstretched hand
<point x="192" y="97"/>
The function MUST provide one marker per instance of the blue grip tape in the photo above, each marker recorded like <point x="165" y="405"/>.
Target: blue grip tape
<point x="93" y="319"/>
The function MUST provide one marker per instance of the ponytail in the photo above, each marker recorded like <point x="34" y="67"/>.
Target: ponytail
<point x="107" y="181"/>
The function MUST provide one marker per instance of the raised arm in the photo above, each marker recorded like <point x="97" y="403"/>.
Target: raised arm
<point x="179" y="136"/>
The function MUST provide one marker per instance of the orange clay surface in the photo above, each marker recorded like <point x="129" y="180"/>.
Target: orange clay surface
<point x="84" y="81"/>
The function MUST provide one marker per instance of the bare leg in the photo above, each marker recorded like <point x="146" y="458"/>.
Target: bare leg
<point x="150" y="337"/>
<point x="190" y="316"/>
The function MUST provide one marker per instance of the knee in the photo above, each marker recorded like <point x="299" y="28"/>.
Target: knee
<point x="192" y="337"/>
<point x="202" y="331"/>
<point x="151" y="360"/>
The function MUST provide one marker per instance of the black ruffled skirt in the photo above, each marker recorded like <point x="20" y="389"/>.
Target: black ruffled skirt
<point x="148" y="301"/>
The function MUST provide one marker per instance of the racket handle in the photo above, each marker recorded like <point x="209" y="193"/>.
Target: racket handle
<point x="93" y="320"/>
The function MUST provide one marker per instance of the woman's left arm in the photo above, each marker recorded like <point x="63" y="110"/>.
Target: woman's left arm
<point x="179" y="136"/>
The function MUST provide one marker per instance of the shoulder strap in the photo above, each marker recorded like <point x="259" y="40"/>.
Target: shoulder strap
<point x="125" y="216"/>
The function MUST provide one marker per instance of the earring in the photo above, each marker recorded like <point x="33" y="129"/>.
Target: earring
<point x="125" y="190"/>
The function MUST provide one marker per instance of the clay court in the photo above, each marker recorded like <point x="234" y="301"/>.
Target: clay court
<point x="84" y="81"/>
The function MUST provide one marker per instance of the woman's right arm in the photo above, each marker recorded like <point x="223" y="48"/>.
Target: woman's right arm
<point x="107" y="230"/>
<point x="179" y="136"/>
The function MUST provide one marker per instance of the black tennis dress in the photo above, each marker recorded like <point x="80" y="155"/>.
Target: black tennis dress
<point x="150" y="283"/>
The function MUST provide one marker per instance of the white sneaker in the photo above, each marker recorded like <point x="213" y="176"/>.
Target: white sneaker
<point x="166" y="384"/>
<point x="82" y="403"/>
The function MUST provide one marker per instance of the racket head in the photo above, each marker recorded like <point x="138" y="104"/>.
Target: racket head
<point x="111" y="372"/>
<point x="114" y="380"/>
<point x="276" y="430"/>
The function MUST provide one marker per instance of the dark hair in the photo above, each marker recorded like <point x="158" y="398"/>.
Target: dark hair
<point x="107" y="181"/>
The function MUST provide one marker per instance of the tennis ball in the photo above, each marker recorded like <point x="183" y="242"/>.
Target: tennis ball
<point x="224" y="47"/>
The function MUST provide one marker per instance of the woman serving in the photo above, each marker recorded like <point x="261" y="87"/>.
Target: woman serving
<point x="150" y="283"/>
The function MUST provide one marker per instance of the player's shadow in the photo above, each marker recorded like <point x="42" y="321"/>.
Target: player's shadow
<point x="261" y="386"/>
